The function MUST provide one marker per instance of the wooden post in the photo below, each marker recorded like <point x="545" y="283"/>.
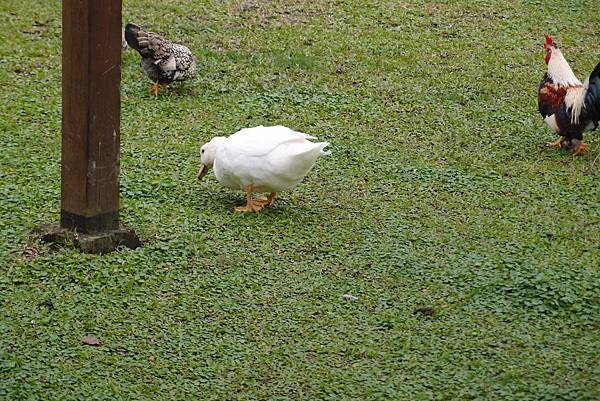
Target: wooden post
<point x="89" y="202"/>
<point x="91" y="111"/>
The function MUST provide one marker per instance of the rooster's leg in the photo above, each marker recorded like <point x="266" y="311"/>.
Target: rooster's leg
<point x="266" y="201"/>
<point x="155" y="88"/>
<point x="556" y="144"/>
<point x="165" y="88"/>
<point x="250" y="205"/>
<point x="580" y="149"/>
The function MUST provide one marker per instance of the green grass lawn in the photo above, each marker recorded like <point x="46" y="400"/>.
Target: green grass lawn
<point x="436" y="196"/>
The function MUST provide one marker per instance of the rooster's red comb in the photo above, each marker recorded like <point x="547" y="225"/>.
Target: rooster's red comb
<point x="548" y="40"/>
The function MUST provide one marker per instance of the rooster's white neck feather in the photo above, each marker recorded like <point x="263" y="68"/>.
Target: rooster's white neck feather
<point x="574" y="100"/>
<point x="559" y="70"/>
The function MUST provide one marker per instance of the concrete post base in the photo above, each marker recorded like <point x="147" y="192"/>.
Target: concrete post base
<point x="98" y="243"/>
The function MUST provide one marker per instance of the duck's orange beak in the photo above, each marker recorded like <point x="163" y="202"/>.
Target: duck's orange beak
<point x="202" y="172"/>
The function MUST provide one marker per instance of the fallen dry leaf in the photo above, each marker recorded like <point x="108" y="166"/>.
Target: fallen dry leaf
<point x="91" y="340"/>
<point x="35" y="30"/>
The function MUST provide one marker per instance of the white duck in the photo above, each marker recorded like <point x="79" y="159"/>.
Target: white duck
<point x="262" y="159"/>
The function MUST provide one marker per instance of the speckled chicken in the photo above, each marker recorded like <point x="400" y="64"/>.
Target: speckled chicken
<point x="163" y="61"/>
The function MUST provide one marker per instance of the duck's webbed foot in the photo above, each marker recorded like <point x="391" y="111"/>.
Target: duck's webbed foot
<point x="266" y="201"/>
<point x="251" y="205"/>
<point x="254" y="208"/>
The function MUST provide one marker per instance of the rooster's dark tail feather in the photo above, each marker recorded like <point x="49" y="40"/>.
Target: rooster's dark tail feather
<point x="592" y="96"/>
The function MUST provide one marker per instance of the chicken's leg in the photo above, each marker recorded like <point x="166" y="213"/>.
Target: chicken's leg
<point x="266" y="201"/>
<point x="580" y="149"/>
<point x="155" y="88"/>
<point x="556" y="144"/>
<point x="250" y="205"/>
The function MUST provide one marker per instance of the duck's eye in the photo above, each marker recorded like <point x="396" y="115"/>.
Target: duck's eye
<point x="202" y="151"/>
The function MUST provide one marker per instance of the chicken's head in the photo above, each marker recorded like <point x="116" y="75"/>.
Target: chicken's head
<point x="549" y="46"/>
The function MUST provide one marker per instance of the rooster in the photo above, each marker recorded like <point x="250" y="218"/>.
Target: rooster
<point x="569" y="107"/>
<point x="163" y="61"/>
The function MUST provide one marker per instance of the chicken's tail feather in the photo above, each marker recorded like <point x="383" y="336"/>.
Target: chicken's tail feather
<point x="132" y="32"/>
<point x="592" y="96"/>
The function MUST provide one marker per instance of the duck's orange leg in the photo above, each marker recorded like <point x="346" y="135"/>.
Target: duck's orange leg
<point x="251" y="206"/>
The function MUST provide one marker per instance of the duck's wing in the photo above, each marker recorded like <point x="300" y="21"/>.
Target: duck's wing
<point x="260" y="141"/>
<point x="296" y="157"/>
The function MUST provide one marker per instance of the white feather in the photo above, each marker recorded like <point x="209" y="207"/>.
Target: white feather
<point x="551" y="121"/>
<point x="574" y="101"/>
<point x="170" y="64"/>
<point x="270" y="158"/>
<point x="559" y="70"/>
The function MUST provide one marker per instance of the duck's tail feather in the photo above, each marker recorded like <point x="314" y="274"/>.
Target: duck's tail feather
<point x="322" y="150"/>
<point x="316" y="149"/>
